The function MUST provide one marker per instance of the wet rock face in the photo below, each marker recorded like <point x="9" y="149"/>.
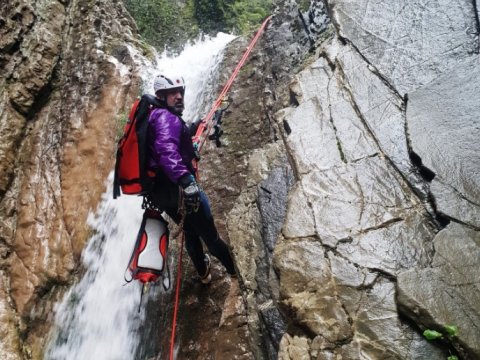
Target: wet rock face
<point x="60" y="90"/>
<point x="444" y="130"/>
<point x="26" y="72"/>
<point x="10" y="344"/>
<point x="407" y="42"/>
<point x="292" y="33"/>
<point x="253" y="225"/>
<point x="307" y="287"/>
<point x="271" y="199"/>
<point x="364" y="226"/>
<point x="361" y="215"/>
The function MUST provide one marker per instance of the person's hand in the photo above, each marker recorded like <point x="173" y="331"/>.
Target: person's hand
<point x="191" y="193"/>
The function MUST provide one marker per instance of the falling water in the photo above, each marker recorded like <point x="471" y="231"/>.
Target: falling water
<point x="98" y="318"/>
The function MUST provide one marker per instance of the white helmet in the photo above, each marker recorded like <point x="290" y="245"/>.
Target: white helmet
<point x="165" y="83"/>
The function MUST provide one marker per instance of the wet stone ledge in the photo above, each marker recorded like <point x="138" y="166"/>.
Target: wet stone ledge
<point x="447" y="293"/>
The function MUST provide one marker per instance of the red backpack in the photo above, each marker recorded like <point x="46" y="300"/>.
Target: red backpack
<point x="131" y="175"/>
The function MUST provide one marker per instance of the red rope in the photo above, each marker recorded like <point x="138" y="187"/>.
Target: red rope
<point x="206" y="124"/>
<point x="177" y="296"/>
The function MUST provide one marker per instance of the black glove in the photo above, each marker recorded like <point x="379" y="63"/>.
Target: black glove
<point x="191" y="193"/>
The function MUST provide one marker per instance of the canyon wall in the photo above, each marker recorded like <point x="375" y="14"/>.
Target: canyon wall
<point x="67" y="72"/>
<point x="377" y="151"/>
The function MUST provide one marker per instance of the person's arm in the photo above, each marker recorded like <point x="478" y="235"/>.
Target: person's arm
<point x="167" y="129"/>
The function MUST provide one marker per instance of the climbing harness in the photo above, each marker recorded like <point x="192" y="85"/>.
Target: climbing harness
<point x="205" y="127"/>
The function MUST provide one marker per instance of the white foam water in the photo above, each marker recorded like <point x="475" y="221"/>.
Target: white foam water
<point x="98" y="317"/>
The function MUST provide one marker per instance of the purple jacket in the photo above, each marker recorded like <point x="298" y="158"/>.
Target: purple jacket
<point x="169" y="145"/>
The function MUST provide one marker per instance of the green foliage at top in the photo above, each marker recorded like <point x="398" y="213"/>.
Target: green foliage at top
<point x="210" y="15"/>
<point x="247" y="15"/>
<point x="163" y="23"/>
<point x="170" y="23"/>
<point x="240" y="16"/>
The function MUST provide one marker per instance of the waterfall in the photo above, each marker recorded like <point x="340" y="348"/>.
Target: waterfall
<point x="98" y="317"/>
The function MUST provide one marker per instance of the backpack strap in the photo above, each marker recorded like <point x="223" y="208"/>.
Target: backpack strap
<point x="147" y="104"/>
<point x="116" y="180"/>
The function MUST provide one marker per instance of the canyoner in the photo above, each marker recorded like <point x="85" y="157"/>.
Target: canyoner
<point x="157" y="158"/>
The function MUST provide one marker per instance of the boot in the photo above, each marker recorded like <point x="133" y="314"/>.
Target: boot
<point x="205" y="279"/>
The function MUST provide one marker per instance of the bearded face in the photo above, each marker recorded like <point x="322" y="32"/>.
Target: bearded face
<point x="174" y="100"/>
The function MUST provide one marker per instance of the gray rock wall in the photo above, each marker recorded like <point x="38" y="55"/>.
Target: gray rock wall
<point x="444" y="129"/>
<point x="410" y="43"/>
<point x="381" y="129"/>
<point x="363" y="222"/>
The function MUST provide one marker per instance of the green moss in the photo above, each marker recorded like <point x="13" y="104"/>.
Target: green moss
<point x="248" y="68"/>
<point x="146" y="49"/>
<point x="303" y="5"/>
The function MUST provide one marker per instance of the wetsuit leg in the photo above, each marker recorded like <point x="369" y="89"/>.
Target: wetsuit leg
<point x="202" y="224"/>
<point x="193" y="243"/>
<point x="194" y="248"/>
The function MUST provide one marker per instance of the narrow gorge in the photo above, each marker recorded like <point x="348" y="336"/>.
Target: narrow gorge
<point x="347" y="184"/>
